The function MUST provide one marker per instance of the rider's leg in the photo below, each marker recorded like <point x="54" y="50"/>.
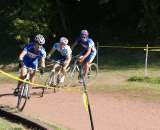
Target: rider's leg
<point x="66" y="64"/>
<point x="86" y="69"/>
<point x="87" y="64"/>
<point x="32" y="76"/>
<point x="53" y="71"/>
<point x="23" y="72"/>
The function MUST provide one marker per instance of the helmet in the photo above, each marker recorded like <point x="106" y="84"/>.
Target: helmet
<point x="40" y="39"/>
<point x="84" y="33"/>
<point x="63" y="40"/>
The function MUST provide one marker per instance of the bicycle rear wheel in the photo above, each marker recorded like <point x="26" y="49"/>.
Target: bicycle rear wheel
<point x="74" y="72"/>
<point x="93" y="71"/>
<point x="23" y="96"/>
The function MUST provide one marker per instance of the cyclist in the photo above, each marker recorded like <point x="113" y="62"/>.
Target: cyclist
<point x="65" y="55"/>
<point x="29" y="57"/>
<point x="89" y="52"/>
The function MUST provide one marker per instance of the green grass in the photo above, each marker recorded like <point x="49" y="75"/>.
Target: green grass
<point x="4" y="79"/>
<point x="130" y="82"/>
<point x="6" y="125"/>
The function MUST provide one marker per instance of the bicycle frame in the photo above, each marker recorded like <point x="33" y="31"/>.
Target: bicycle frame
<point x="53" y="79"/>
<point x="75" y="67"/>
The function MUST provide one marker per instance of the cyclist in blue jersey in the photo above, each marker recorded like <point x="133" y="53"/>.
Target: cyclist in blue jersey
<point x="89" y="52"/>
<point x="30" y="57"/>
<point x="65" y="55"/>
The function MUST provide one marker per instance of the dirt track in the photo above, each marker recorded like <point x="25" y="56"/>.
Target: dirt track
<point x="110" y="111"/>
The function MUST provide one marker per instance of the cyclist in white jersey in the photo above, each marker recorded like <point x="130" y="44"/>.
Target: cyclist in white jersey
<point x="65" y="54"/>
<point x="88" y="54"/>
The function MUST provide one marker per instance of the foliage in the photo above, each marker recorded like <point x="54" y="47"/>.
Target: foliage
<point x="24" y="29"/>
<point x="27" y="18"/>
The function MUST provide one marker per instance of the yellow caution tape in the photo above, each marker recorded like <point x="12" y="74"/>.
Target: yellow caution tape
<point x="152" y="49"/>
<point x="85" y="101"/>
<point x="18" y="79"/>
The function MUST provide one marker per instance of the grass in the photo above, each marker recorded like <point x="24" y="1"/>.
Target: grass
<point x="6" y="125"/>
<point x="130" y="82"/>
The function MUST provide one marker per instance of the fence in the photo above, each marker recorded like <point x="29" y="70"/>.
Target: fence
<point x="144" y="48"/>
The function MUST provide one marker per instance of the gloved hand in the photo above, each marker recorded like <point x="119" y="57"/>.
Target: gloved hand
<point x="41" y="70"/>
<point x="20" y="63"/>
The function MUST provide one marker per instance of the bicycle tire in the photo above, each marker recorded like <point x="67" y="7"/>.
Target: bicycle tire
<point x="48" y="83"/>
<point x="74" y="72"/>
<point x="93" y="71"/>
<point x="50" y="80"/>
<point x="23" y="96"/>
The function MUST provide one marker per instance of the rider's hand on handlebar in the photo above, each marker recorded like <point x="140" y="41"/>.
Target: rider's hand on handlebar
<point x="81" y="59"/>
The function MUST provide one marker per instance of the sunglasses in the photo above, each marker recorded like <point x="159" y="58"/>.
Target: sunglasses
<point x="39" y="44"/>
<point x="84" y="37"/>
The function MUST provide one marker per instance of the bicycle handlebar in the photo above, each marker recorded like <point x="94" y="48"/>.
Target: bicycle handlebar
<point x="54" y="61"/>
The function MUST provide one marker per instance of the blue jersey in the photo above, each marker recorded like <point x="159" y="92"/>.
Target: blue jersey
<point x="32" y="56"/>
<point x="87" y="44"/>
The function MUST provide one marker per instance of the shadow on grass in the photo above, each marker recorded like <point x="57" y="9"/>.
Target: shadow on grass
<point x="153" y="80"/>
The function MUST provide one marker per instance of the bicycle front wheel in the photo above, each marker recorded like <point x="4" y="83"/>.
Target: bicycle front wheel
<point x="23" y="96"/>
<point x="49" y="82"/>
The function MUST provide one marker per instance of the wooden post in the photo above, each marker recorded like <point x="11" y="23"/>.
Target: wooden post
<point x="146" y="62"/>
<point x="97" y="54"/>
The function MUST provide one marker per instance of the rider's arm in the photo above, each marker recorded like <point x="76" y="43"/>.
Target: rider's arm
<point x="42" y="62"/>
<point x="23" y="53"/>
<point x="68" y="58"/>
<point x="51" y="52"/>
<point x="87" y="53"/>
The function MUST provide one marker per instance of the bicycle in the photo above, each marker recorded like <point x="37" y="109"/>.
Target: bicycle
<point x="54" y="77"/>
<point x="23" y="94"/>
<point x="74" y="69"/>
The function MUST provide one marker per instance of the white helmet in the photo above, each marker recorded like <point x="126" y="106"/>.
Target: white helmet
<point x="63" y="40"/>
<point x="40" y="39"/>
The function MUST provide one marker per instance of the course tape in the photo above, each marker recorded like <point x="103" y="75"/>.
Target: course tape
<point x="152" y="49"/>
<point x="85" y="101"/>
<point x="18" y="79"/>
<point x="127" y="47"/>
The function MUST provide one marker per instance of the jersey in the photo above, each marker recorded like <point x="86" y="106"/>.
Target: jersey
<point x="87" y="44"/>
<point x="65" y="52"/>
<point x="32" y="56"/>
